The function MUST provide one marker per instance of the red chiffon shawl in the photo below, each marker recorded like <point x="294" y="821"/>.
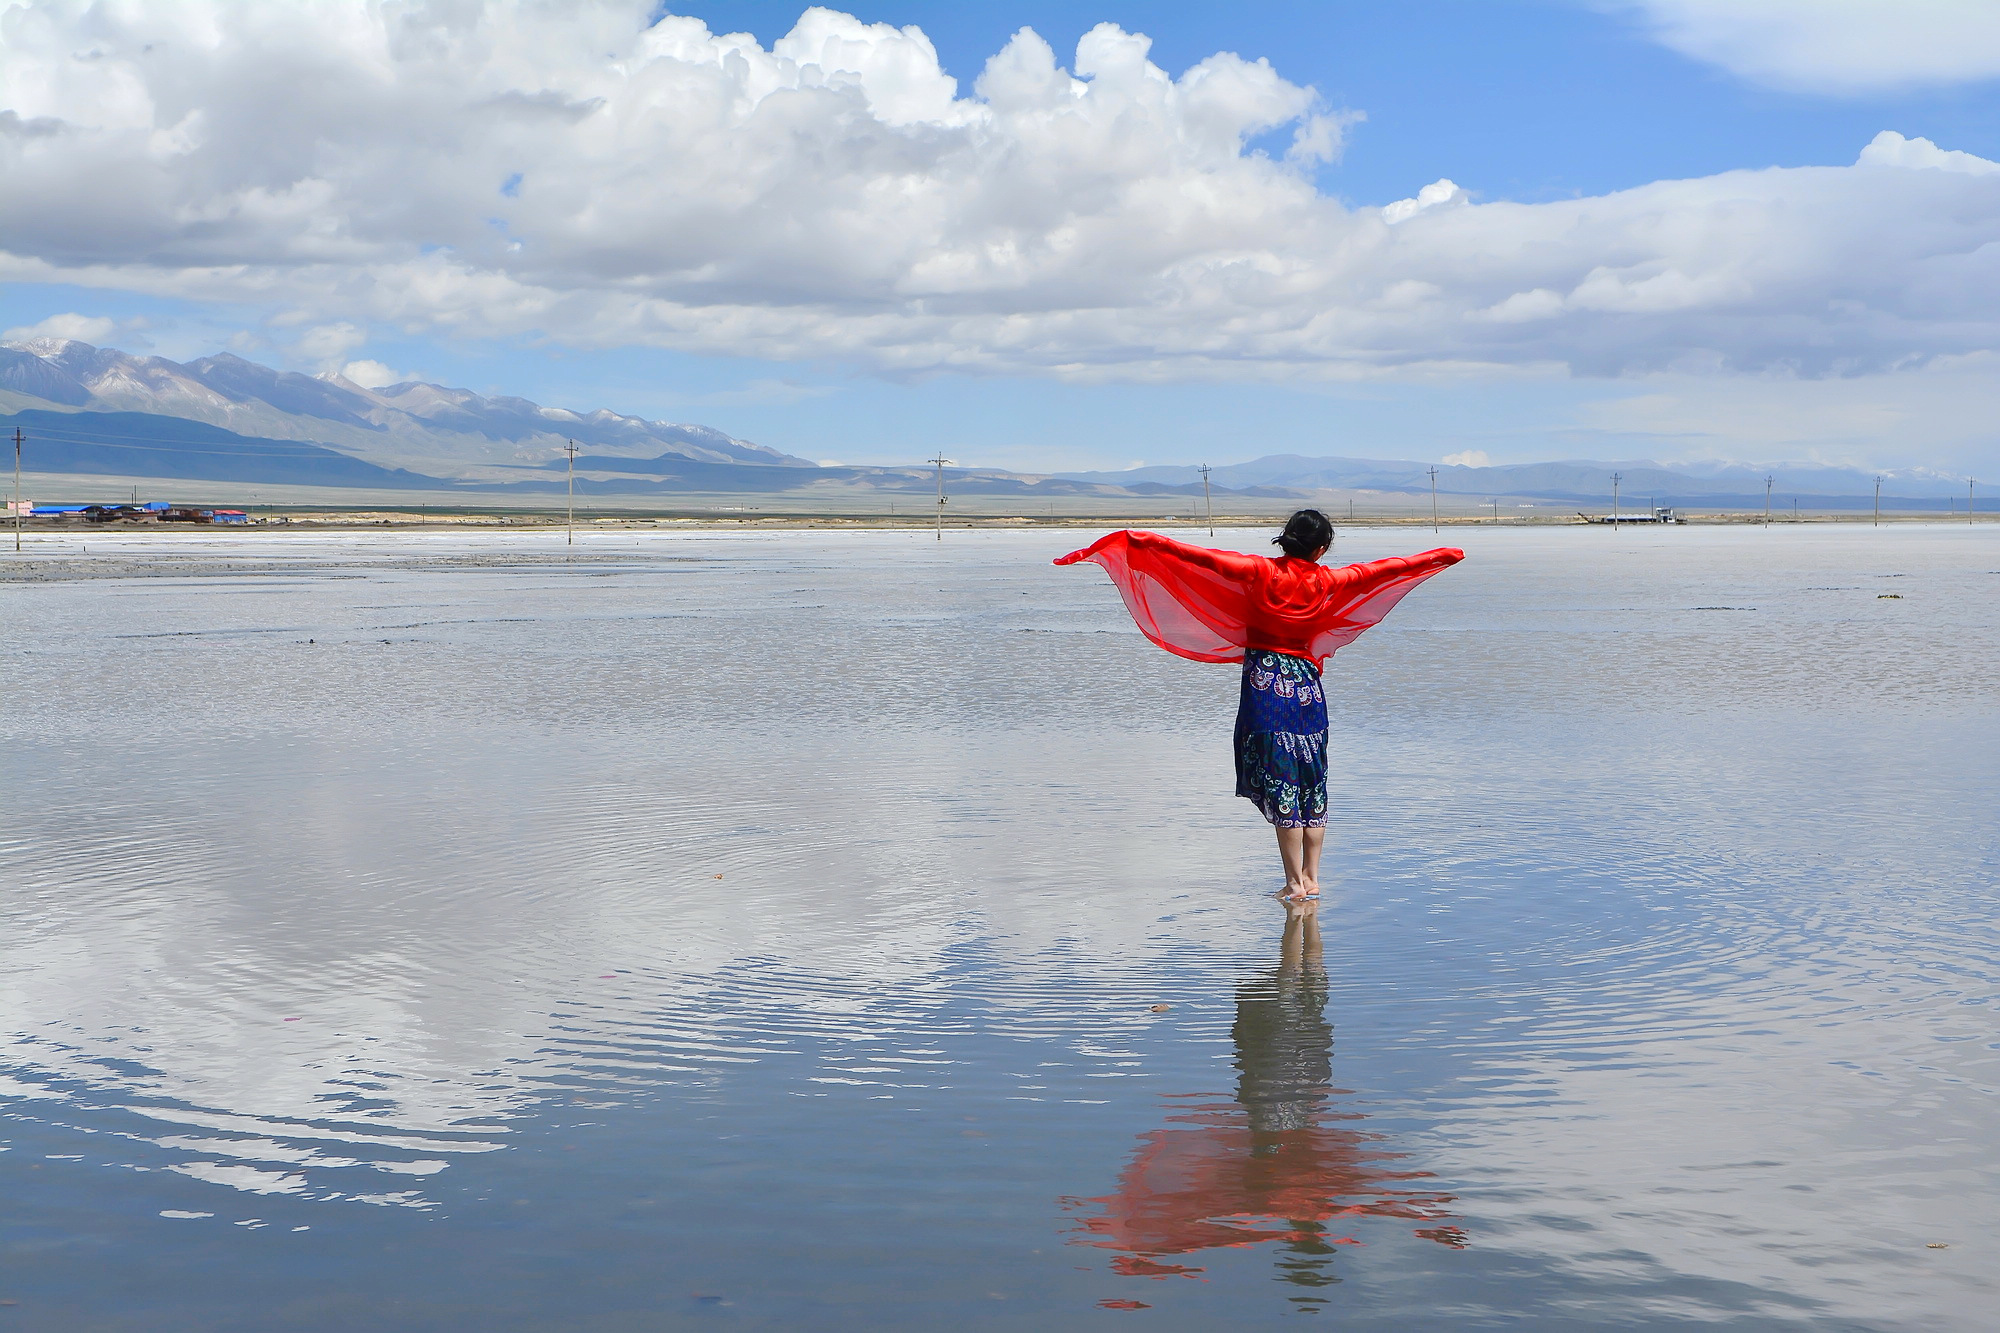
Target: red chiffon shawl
<point x="1213" y="605"/>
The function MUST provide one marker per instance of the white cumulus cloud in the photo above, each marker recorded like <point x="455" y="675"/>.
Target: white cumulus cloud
<point x="1890" y="149"/>
<point x="575" y="174"/>
<point x="328" y="345"/>
<point x="83" y="328"/>
<point x="1434" y="195"/>
<point x="1838" y="46"/>
<point x="371" y="374"/>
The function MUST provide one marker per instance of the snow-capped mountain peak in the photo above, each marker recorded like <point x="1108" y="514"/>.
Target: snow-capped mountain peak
<point x="411" y="424"/>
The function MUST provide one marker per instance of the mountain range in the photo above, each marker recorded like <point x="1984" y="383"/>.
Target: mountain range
<point x="423" y="427"/>
<point x="99" y="411"/>
<point x="1583" y="481"/>
<point x="223" y="418"/>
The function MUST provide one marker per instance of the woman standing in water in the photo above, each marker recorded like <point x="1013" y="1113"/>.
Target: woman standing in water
<point x="1281" y="618"/>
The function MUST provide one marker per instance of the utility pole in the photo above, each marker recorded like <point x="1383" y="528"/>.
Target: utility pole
<point x="1207" y="498"/>
<point x="1615" y="479"/>
<point x="1434" y="499"/>
<point x="940" y="460"/>
<point x="569" y="447"/>
<point x="1878" y="502"/>
<point x="1767" y="501"/>
<point x="17" y="490"/>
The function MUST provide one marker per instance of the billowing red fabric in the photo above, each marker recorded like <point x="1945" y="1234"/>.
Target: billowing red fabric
<point x="1213" y="605"/>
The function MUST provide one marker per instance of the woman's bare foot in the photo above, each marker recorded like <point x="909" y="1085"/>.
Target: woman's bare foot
<point x="1291" y="851"/>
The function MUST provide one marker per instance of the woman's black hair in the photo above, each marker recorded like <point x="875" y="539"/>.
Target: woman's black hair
<point x="1305" y="532"/>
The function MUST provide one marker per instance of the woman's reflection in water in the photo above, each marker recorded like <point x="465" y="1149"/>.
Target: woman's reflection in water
<point x="1282" y="1164"/>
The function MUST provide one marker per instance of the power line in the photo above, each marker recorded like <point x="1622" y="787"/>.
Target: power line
<point x="569" y="447"/>
<point x="48" y="428"/>
<point x="170" y="448"/>
<point x="940" y="460"/>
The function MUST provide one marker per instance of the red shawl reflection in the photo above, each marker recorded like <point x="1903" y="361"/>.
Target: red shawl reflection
<point x="1278" y="1164"/>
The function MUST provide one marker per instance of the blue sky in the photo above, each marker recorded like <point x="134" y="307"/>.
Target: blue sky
<point x="1514" y="99"/>
<point x="1534" y="102"/>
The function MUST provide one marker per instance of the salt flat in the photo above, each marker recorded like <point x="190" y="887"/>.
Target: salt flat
<point x="461" y="930"/>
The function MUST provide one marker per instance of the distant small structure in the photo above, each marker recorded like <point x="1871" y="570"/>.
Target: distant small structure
<point x="1659" y="514"/>
<point x="101" y="513"/>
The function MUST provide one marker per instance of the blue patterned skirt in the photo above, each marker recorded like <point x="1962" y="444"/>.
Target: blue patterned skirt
<point x="1281" y="739"/>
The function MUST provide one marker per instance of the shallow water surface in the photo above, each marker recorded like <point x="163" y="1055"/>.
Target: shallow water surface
<point x="853" y="930"/>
